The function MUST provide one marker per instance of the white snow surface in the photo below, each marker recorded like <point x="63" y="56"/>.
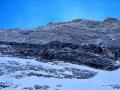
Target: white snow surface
<point x="104" y="80"/>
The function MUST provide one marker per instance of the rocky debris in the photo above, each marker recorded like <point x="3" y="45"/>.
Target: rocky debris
<point x="28" y="88"/>
<point x="75" y="74"/>
<point x="91" y="55"/>
<point x="37" y="87"/>
<point x="78" y="57"/>
<point x="59" y="85"/>
<point x="1" y="72"/>
<point x="36" y="70"/>
<point x="92" y="43"/>
<point x="4" y="85"/>
<point x="117" y="87"/>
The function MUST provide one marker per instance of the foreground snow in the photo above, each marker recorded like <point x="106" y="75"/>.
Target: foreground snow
<point x="21" y="80"/>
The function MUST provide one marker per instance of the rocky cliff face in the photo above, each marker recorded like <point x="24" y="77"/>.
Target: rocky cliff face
<point x="92" y="43"/>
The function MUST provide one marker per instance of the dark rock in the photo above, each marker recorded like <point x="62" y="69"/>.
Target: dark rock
<point x="115" y="86"/>
<point x="77" y="20"/>
<point x="67" y="52"/>
<point x="111" y="20"/>
<point x="28" y="88"/>
<point x="4" y="85"/>
<point x="38" y="87"/>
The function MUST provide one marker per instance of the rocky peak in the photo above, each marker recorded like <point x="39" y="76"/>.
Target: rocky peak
<point x="111" y="20"/>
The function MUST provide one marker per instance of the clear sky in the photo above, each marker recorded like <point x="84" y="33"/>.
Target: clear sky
<point x="33" y="13"/>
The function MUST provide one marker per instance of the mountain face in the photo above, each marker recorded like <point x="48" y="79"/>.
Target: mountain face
<point x="79" y="54"/>
<point x="83" y="42"/>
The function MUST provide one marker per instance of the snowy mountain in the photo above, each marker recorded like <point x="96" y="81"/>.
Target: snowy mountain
<point x="79" y="54"/>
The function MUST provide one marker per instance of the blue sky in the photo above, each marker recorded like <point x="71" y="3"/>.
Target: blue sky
<point x="33" y="13"/>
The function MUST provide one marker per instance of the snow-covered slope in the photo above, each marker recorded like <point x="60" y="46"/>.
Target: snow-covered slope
<point x="29" y="74"/>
